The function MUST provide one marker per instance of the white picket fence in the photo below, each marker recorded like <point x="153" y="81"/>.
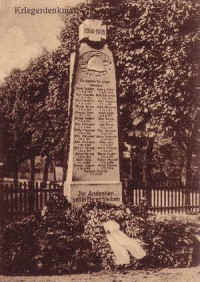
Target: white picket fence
<point x="167" y="200"/>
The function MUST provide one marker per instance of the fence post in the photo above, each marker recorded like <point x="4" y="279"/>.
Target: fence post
<point x="2" y="206"/>
<point x="147" y="192"/>
<point x="11" y="199"/>
<point x="31" y="197"/>
<point x="186" y="192"/>
<point x="124" y="191"/>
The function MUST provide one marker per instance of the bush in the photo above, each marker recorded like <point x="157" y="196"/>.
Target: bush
<point x="18" y="246"/>
<point x="52" y="244"/>
<point x="67" y="240"/>
<point x="169" y="244"/>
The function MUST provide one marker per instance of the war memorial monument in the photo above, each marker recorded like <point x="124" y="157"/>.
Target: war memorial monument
<point x="93" y="164"/>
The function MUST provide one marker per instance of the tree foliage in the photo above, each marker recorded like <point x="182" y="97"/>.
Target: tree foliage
<point x="156" y="45"/>
<point x="35" y="109"/>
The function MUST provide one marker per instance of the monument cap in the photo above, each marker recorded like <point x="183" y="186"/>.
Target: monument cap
<point x="93" y="30"/>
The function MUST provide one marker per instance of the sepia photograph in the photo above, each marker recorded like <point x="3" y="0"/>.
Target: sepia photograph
<point x="99" y="140"/>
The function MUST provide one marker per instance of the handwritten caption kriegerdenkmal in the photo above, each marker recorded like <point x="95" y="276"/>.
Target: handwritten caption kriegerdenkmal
<point x="43" y="11"/>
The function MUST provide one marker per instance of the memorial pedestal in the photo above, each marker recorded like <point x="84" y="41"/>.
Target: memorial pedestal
<point x="80" y="193"/>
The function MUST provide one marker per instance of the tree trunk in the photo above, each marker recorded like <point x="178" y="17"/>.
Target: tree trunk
<point x="144" y="169"/>
<point x="188" y="179"/>
<point x="15" y="173"/>
<point x="31" y="194"/>
<point x="32" y="176"/>
<point x="46" y="170"/>
<point x="54" y="171"/>
<point x="135" y="170"/>
<point x="147" y="168"/>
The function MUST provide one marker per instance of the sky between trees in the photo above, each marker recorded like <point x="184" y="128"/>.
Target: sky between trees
<point x="24" y="37"/>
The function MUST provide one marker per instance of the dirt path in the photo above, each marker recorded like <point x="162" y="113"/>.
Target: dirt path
<point x="166" y="275"/>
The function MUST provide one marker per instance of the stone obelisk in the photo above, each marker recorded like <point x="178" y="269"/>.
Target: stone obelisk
<point x="93" y="165"/>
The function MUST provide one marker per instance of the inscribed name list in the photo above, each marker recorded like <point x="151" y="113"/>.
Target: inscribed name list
<point x="95" y="141"/>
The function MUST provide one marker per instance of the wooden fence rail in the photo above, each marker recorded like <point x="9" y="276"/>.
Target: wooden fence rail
<point x="165" y="199"/>
<point x="27" y="198"/>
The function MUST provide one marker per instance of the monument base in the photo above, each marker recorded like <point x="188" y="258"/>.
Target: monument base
<point x="81" y="193"/>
